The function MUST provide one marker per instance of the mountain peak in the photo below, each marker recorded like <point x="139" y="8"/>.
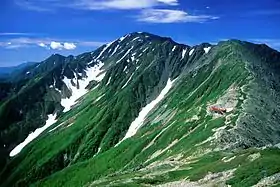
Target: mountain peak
<point x="147" y="106"/>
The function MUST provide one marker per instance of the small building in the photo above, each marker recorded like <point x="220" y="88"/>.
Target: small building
<point x="218" y="110"/>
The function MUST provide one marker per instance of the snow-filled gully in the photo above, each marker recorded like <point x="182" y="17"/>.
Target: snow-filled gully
<point x="138" y="122"/>
<point x="93" y="73"/>
<point x="51" y="120"/>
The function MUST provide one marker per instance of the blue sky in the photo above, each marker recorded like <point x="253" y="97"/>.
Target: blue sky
<point x="31" y="30"/>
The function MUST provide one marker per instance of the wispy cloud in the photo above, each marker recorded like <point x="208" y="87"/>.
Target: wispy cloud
<point x="171" y="16"/>
<point x="15" y="34"/>
<point x="47" y="43"/>
<point x="47" y="5"/>
<point x="39" y="5"/>
<point x="151" y="11"/>
<point x="125" y="4"/>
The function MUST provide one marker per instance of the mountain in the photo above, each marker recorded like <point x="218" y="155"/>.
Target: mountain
<point x="5" y="72"/>
<point x="144" y="110"/>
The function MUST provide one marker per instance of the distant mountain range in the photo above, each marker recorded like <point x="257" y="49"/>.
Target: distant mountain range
<point x="144" y="110"/>
<point x="5" y="72"/>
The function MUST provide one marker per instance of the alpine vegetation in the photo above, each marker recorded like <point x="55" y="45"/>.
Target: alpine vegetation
<point x="144" y="110"/>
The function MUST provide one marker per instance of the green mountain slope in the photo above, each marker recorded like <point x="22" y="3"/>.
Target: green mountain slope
<point x="180" y="141"/>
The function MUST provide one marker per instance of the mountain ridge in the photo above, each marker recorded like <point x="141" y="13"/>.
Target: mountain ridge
<point x="135" y="70"/>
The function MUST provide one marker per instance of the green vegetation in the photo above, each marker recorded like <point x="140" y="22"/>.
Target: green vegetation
<point x="179" y="139"/>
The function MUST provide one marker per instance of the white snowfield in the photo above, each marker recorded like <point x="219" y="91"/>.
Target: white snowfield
<point x="191" y="52"/>
<point x="51" y="120"/>
<point x="207" y="49"/>
<point x="138" y="122"/>
<point x="93" y="73"/>
<point x="184" y="53"/>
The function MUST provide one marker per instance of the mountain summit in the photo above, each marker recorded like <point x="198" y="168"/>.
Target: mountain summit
<point x="144" y="110"/>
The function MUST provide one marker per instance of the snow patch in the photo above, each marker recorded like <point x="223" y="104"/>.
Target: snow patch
<point x="174" y="48"/>
<point x="69" y="125"/>
<point x="108" y="81"/>
<point x="122" y="38"/>
<point x="99" y="149"/>
<point x="125" y="68"/>
<point x="145" y="49"/>
<point x="115" y="50"/>
<point x="104" y="49"/>
<point x="207" y="49"/>
<point x="132" y="58"/>
<point x="135" y="39"/>
<point x="191" y="52"/>
<point x="50" y="121"/>
<point x="128" y="81"/>
<point x="99" y="98"/>
<point x="184" y="53"/>
<point x="138" y="122"/>
<point x="93" y="73"/>
<point x="127" y="52"/>
<point x="27" y="73"/>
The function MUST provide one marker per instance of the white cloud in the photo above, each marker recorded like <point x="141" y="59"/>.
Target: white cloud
<point x="42" y="45"/>
<point x="169" y="2"/>
<point x="15" y="34"/>
<point x="69" y="46"/>
<point x="171" y="16"/>
<point x="60" y="46"/>
<point x="49" y="5"/>
<point x="56" y="45"/>
<point x="47" y="43"/>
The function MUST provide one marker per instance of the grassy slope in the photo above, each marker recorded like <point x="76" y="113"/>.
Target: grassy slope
<point x="193" y="92"/>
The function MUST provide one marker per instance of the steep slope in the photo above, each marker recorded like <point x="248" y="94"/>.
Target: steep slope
<point x="48" y="86"/>
<point x="148" y="120"/>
